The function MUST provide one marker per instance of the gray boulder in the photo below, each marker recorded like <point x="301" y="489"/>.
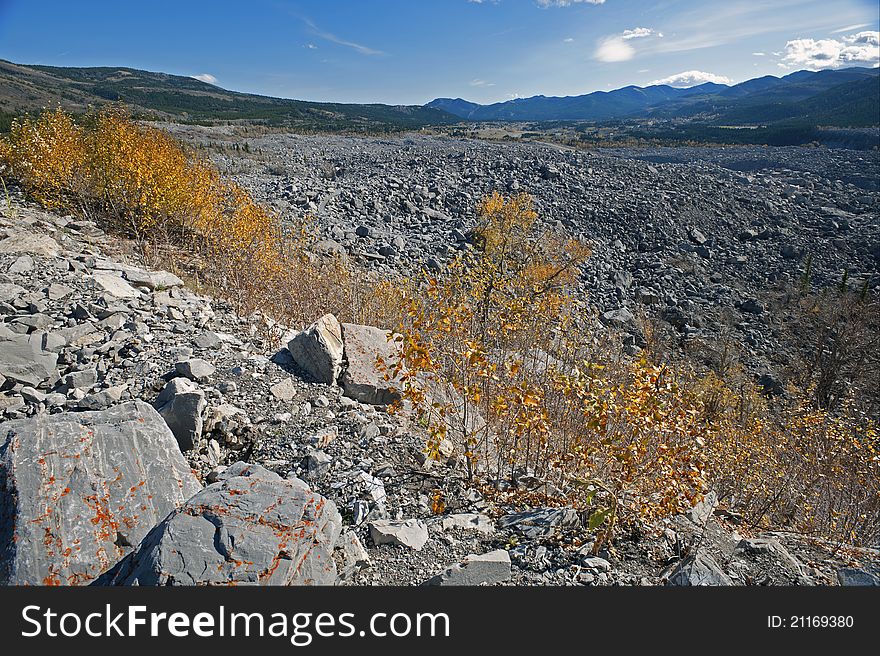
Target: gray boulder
<point x="78" y="489"/>
<point x="700" y="569"/>
<point x="23" y="241"/>
<point x="702" y="511"/>
<point x="23" y="361"/>
<point x="318" y="349"/>
<point x="542" y="522"/>
<point x="251" y="527"/>
<point x="410" y="533"/>
<point x="485" y="569"/>
<point x="362" y="379"/>
<point x="115" y="285"/>
<point x="153" y="280"/>
<point x="860" y="577"/>
<point x="352" y="555"/>
<point x="182" y="405"/>
<point x="469" y="521"/>
<point x="195" y="369"/>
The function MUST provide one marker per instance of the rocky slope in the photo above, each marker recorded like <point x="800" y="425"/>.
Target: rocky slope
<point x="112" y="374"/>
<point x="703" y="238"/>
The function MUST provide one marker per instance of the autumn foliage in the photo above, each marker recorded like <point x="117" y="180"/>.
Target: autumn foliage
<point x="508" y="370"/>
<point x="141" y="182"/>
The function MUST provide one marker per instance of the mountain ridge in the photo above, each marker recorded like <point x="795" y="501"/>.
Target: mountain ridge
<point x="664" y="101"/>
<point x="25" y="88"/>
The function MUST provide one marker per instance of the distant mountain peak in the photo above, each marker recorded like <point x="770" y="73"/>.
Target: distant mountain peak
<point x="663" y="100"/>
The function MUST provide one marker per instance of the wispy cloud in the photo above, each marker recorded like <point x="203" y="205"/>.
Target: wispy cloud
<point x="816" y="54"/>
<point x="206" y="77"/>
<point x="850" y="28"/>
<point x="715" y="24"/>
<point x="481" y="83"/>
<point x="692" y="79"/>
<point x="332" y="38"/>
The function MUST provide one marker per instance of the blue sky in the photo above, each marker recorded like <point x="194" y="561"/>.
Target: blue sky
<point x="411" y="51"/>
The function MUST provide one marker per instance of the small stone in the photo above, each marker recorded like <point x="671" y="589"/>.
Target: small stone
<point x="469" y="522"/>
<point x="411" y="533"/>
<point x="486" y="569"/>
<point x="195" y="369"/>
<point x="284" y="391"/>
<point x="317" y="463"/>
<point x="324" y="437"/>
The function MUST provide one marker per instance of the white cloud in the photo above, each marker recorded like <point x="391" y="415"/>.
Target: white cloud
<point x="815" y="54"/>
<point x="332" y="38"/>
<point x="206" y="77"/>
<point x="639" y="33"/>
<point x="759" y="54"/>
<point x="692" y="79"/>
<point x="616" y="48"/>
<point x="310" y="46"/>
<point x="565" y="3"/>
<point x="568" y="40"/>
<point x="850" y="28"/>
<point x="481" y="83"/>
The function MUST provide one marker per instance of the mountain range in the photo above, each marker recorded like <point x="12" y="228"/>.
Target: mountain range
<point x="25" y="88"/>
<point x="847" y="97"/>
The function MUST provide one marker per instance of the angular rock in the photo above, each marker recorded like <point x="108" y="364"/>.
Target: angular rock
<point x="621" y="318"/>
<point x="182" y="405"/>
<point x="317" y="463"/>
<point x="860" y="577"/>
<point x="152" y="279"/>
<point x="115" y="286"/>
<point x="542" y="522"/>
<point x="250" y="528"/>
<point x="362" y="379"/>
<point x="195" y="369"/>
<point x="284" y="391"/>
<point x="318" y="349"/>
<point x="352" y="554"/>
<point x="78" y="489"/>
<point x="410" y="533"/>
<point x="22" y="264"/>
<point x="103" y="399"/>
<point x="703" y="509"/>
<point x="22" y="241"/>
<point x="469" y="521"/>
<point x="485" y="569"/>
<point x="771" y="547"/>
<point x="23" y="361"/>
<point x="700" y="569"/>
